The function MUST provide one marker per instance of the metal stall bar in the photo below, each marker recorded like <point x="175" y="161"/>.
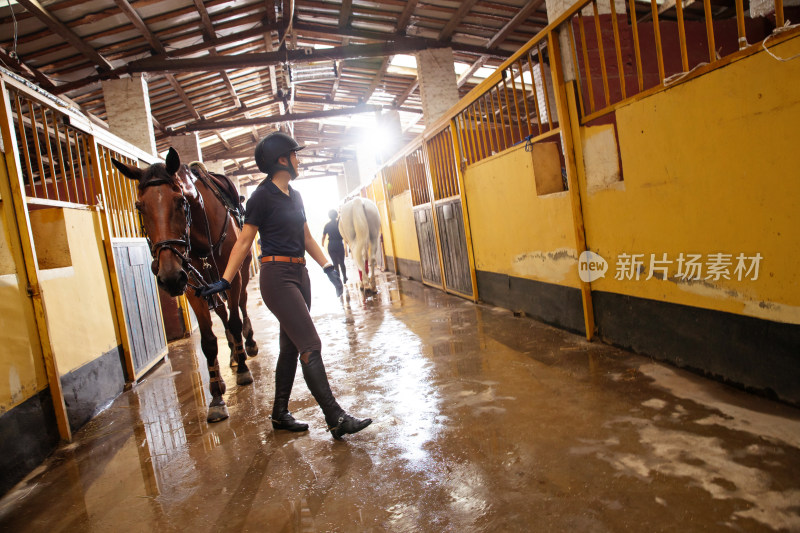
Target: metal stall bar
<point x="600" y="51"/>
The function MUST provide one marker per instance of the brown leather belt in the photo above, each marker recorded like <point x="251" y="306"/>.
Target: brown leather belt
<point x="283" y="259"/>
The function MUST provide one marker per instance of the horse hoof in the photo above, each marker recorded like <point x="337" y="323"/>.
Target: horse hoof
<point x="244" y="378"/>
<point x="217" y="413"/>
<point x="252" y="351"/>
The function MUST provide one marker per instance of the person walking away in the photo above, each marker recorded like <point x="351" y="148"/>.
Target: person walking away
<point x="275" y="211"/>
<point x="335" y="243"/>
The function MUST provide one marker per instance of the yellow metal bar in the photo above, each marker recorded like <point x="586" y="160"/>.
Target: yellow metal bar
<point x="536" y="94"/>
<point x="525" y="93"/>
<point x="38" y="148"/>
<point x="387" y="199"/>
<point x="779" y="14"/>
<point x="502" y="117"/>
<point x="465" y="218"/>
<point x="61" y="163"/>
<point x="620" y="65"/>
<point x="712" y="50"/>
<point x="18" y="226"/>
<point x="94" y="155"/>
<point x="565" y="102"/>
<point x="544" y="89"/>
<point x="682" y="35"/>
<point x="586" y="64"/>
<point x="574" y="52"/>
<point x="637" y="51"/>
<point x="51" y="161"/>
<point x="481" y="129"/>
<point x="657" y="36"/>
<point x="490" y="130"/>
<point x="516" y="102"/>
<point x="740" y="24"/>
<point x="71" y="165"/>
<point x="508" y="108"/>
<point x="600" y="51"/>
<point x="24" y="138"/>
<point x="434" y="216"/>
<point x="495" y="130"/>
<point x="473" y="128"/>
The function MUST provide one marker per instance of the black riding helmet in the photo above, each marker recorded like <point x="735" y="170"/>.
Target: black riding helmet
<point x="272" y="147"/>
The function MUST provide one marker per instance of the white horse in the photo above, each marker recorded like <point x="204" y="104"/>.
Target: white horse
<point x="360" y="226"/>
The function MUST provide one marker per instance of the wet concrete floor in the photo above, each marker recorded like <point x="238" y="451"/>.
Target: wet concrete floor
<point x="483" y="421"/>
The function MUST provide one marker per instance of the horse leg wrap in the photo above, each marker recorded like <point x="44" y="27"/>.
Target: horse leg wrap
<point x="249" y="344"/>
<point x="243" y="375"/>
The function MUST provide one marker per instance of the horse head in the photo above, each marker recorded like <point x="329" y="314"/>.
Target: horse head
<point x="164" y="190"/>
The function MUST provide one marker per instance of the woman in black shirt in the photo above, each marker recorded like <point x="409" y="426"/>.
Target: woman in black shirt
<point x="335" y="243"/>
<point x="275" y="211"/>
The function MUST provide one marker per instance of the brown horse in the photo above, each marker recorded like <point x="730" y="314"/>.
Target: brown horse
<point x="191" y="234"/>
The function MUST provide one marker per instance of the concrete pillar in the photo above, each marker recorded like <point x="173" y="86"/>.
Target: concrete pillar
<point x="188" y="147"/>
<point x="352" y="176"/>
<point x="127" y="103"/>
<point x="341" y="184"/>
<point x="437" y="82"/>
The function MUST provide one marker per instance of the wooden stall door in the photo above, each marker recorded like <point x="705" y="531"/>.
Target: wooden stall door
<point x="426" y="237"/>
<point x="454" y="246"/>
<point x="139" y="295"/>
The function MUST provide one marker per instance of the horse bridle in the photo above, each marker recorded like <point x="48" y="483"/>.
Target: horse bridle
<point x="185" y="241"/>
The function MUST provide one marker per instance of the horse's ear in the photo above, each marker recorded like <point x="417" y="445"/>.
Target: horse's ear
<point x="173" y="161"/>
<point x="130" y="172"/>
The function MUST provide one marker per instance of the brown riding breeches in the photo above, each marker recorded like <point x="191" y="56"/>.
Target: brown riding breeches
<point x="286" y="290"/>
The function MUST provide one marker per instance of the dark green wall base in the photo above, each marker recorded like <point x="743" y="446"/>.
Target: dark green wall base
<point x="750" y="353"/>
<point x="90" y="387"/>
<point x="28" y="434"/>
<point x="406" y="267"/>
<point x="554" y="304"/>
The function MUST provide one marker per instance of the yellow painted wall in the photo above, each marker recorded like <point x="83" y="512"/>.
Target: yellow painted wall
<point x="383" y="209"/>
<point x="22" y="375"/>
<point x="514" y="231"/>
<point x="710" y="166"/>
<point x="405" y="231"/>
<point x="77" y="298"/>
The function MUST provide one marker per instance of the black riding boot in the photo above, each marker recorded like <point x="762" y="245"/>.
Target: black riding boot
<point x="339" y="422"/>
<point x="284" y="379"/>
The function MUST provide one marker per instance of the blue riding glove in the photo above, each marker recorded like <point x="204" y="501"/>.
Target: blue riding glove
<point x="333" y="275"/>
<point x="213" y="288"/>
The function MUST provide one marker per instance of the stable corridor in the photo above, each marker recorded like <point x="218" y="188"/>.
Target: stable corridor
<point x="482" y="421"/>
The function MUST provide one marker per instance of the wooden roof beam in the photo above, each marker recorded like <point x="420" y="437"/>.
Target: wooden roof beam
<point x="472" y="70"/>
<point x="453" y="23"/>
<point x="206" y="125"/>
<point x="405" y="16"/>
<point x="345" y="13"/>
<point x="62" y="30"/>
<point x="403" y="45"/>
<point x="377" y="79"/>
<point x="518" y="19"/>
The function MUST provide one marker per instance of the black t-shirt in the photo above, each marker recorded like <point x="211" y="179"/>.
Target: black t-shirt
<point x="280" y="220"/>
<point x="332" y="231"/>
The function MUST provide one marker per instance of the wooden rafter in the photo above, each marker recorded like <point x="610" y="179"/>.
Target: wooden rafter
<point x="61" y="29"/>
<point x="206" y="125"/>
<point x="459" y="15"/>
<point x="377" y="78"/>
<point x="518" y="19"/>
<point x="472" y="70"/>
<point x="403" y="45"/>
<point x="148" y="35"/>
<point x="345" y="13"/>
<point x="29" y="72"/>
<point x="408" y="92"/>
<point x="405" y="16"/>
